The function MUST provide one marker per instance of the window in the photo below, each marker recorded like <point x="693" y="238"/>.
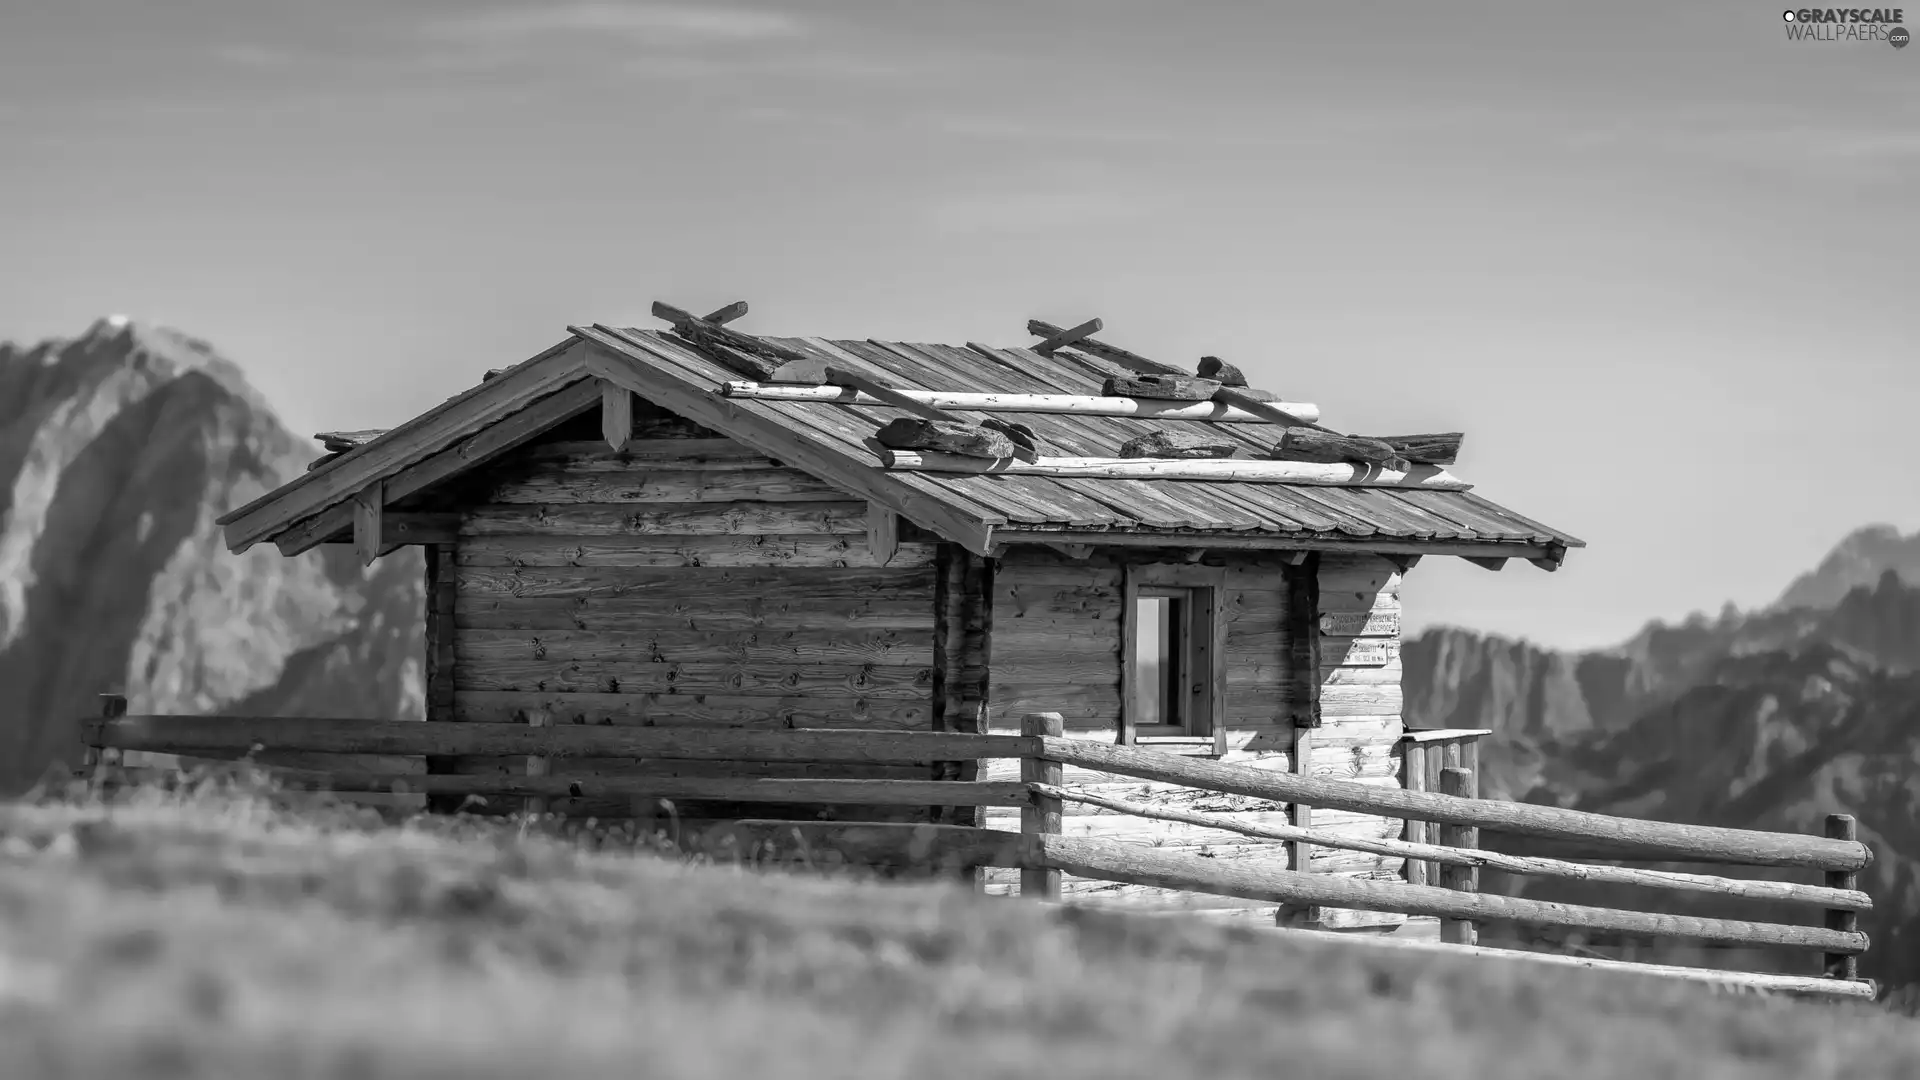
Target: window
<point x="1171" y="670"/>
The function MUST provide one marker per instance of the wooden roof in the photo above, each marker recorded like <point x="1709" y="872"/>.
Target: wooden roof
<point x="831" y="433"/>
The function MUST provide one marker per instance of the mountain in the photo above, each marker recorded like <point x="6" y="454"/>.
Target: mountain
<point x="118" y="450"/>
<point x="1858" y="560"/>
<point x="1770" y="720"/>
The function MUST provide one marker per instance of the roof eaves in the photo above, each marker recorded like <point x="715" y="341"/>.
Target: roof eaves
<point x="447" y="423"/>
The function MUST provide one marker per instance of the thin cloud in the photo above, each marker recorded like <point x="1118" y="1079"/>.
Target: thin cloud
<point x="656" y="24"/>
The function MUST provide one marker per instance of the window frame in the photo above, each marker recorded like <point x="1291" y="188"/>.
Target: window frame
<point x="1205" y="652"/>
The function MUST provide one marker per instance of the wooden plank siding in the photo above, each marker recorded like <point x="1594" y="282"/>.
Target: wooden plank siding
<point x="1057" y="637"/>
<point x="685" y="580"/>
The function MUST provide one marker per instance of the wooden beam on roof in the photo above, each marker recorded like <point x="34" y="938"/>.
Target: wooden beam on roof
<point x="1405" y="563"/>
<point x="616" y="414"/>
<point x="1068" y="337"/>
<point x="1310" y="473"/>
<point x="721" y="316"/>
<point x="1050" y="404"/>
<point x="883" y="533"/>
<point x="759" y="357"/>
<point x="614" y="357"/>
<point x="1556" y="553"/>
<point x="1110" y="353"/>
<point x="1281" y="542"/>
<point x="368" y="504"/>
<point x="1076" y="552"/>
<point x="477" y="449"/>
<point x="1021" y="435"/>
<point x="1486" y="563"/>
<point x="1239" y="397"/>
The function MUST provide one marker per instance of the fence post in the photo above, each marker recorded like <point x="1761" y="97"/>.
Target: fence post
<point x="1458" y="782"/>
<point x="112" y="707"/>
<point x="536" y="766"/>
<point x="1041" y="814"/>
<point x="1414" y="765"/>
<point x="1842" y="965"/>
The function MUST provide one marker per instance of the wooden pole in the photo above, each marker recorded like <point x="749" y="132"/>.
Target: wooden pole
<point x="1842" y="965"/>
<point x="1416" y="770"/>
<point x="1785" y="892"/>
<point x="536" y="805"/>
<point x="1041" y="815"/>
<point x="1681" y="842"/>
<point x="112" y="707"/>
<point x="1458" y="783"/>
<point x="1141" y="864"/>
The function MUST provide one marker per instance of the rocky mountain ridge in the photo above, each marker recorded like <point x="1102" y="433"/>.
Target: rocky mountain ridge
<point x="118" y="450"/>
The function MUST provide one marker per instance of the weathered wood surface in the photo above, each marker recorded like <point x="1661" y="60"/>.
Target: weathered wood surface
<point x="465" y="418"/>
<point x="486" y="444"/>
<point x="944" y="424"/>
<point x="939" y="436"/>
<point x="765" y="549"/>
<point x="731" y="789"/>
<point x="852" y="647"/>
<point x="909" y="682"/>
<point x="744" y="585"/>
<point x="1842" y="917"/>
<point x="637" y="361"/>
<point x="1067" y="337"/>
<point x="1442" y="448"/>
<point x="1141" y="865"/>
<point x="582" y="520"/>
<point x="1160" y="387"/>
<point x="883" y="537"/>
<point x="1308" y="473"/>
<point x="1060" y="404"/>
<point x="1243" y="398"/>
<point x="616" y="414"/>
<point x="1305" y="444"/>
<point x="559" y="484"/>
<point x="743" y="352"/>
<point x="1040" y="816"/>
<point x="1178" y="444"/>
<point x="197" y="734"/>
<point x="663" y="447"/>
<point x="664" y="610"/>
<point x="1460" y="877"/>
<point x="1794" y="985"/>
<point x="1058" y="621"/>
<point x="1212" y="367"/>
<point x="1753" y="847"/>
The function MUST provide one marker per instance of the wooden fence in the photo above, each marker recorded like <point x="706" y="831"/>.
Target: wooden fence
<point x="1042" y="854"/>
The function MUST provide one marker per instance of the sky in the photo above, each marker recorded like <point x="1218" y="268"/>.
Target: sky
<point x="1655" y="260"/>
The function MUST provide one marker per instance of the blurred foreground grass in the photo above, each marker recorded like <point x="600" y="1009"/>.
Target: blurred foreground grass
<point x="221" y="933"/>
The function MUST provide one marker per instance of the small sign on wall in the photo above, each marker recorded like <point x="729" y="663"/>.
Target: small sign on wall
<point x="1360" y="623"/>
<point x="1368" y="654"/>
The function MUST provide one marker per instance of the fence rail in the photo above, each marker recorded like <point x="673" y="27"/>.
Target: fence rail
<point x="1042" y="855"/>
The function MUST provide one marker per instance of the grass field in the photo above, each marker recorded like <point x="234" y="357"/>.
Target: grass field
<point x="214" y="934"/>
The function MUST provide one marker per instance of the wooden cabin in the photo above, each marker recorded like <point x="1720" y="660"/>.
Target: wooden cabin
<point x="703" y="527"/>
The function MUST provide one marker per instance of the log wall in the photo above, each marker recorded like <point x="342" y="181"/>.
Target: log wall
<point x="685" y="580"/>
<point x="1056" y="641"/>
